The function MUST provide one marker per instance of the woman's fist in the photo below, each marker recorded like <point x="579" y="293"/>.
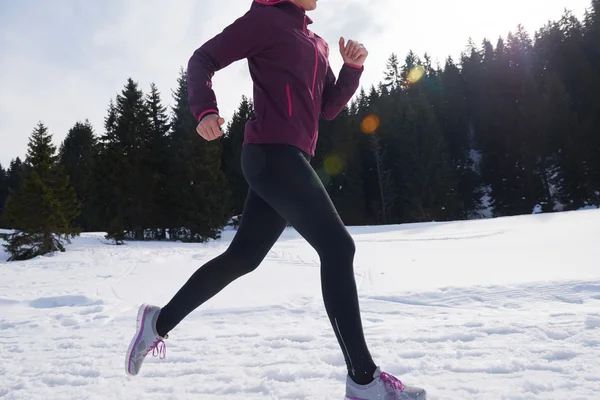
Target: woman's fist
<point x="353" y="52"/>
<point x="210" y="127"/>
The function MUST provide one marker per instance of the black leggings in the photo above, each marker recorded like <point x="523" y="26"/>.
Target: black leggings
<point x="284" y="187"/>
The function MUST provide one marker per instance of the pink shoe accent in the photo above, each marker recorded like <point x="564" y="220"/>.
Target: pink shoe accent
<point x="391" y="381"/>
<point x="137" y="339"/>
<point x="159" y="349"/>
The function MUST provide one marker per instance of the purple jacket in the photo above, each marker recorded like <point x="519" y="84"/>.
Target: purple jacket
<point x="293" y="82"/>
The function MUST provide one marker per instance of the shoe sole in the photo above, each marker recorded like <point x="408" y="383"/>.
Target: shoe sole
<point x="141" y="318"/>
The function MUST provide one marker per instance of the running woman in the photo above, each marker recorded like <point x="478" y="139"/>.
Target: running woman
<point x="294" y="86"/>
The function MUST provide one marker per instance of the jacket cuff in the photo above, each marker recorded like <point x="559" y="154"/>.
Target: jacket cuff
<point x="354" y="66"/>
<point x="207" y="112"/>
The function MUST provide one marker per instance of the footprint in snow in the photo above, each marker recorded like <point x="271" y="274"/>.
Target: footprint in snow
<point x="64" y="301"/>
<point x="592" y="322"/>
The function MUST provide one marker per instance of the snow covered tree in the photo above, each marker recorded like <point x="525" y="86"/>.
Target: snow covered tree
<point x="43" y="208"/>
<point x="393" y="75"/>
<point x="116" y="232"/>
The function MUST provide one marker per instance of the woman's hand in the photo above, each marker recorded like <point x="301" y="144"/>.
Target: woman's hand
<point x="210" y="127"/>
<point x="353" y="52"/>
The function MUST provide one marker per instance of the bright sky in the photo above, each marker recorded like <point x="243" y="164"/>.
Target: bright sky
<point x="62" y="61"/>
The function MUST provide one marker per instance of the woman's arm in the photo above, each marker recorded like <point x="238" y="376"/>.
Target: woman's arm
<point x="244" y="38"/>
<point x="337" y="93"/>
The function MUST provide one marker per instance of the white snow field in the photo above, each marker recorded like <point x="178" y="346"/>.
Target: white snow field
<point x="504" y="308"/>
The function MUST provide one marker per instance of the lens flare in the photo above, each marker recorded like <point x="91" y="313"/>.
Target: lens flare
<point x="416" y="74"/>
<point x="333" y="164"/>
<point x="370" y="124"/>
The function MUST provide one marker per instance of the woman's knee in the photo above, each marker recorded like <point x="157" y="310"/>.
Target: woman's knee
<point x="348" y="247"/>
<point x="340" y="247"/>
<point x="242" y="261"/>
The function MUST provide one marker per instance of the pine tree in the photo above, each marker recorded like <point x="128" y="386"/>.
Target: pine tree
<point x="126" y="184"/>
<point x="368" y="164"/>
<point x="133" y="130"/>
<point x="384" y="178"/>
<point x="592" y="33"/>
<point x="425" y="179"/>
<point x="232" y="152"/>
<point x="393" y="76"/>
<point x="501" y="131"/>
<point x="77" y="156"/>
<point x="3" y="190"/>
<point x="477" y="70"/>
<point x="412" y="71"/>
<point x="591" y="105"/>
<point x="562" y="172"/>
<point x="116" y="232"/>
<point x="155" y="162"/>
<point x="431" y="85"/>
<point x="44" y="207"/>
<point x="199" y="198"/>
<point x="109" y="162"/>
<point x="570" y="80"/>
<point x="15" y="174"/>
<point x="529" y="143"/>
<point x="456" y="127"/>
<point x="378" y="145"/>
<point x="14" y="178"/>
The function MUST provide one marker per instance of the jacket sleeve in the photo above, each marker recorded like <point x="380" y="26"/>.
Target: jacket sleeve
<point x="337" y="94"/>
<point x="244" y="38"/>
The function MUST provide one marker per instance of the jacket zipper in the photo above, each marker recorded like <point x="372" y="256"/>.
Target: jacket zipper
<point x="312" y="92"/>
<point x="289" y="99"/>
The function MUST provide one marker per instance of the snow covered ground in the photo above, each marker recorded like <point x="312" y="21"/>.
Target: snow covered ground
<point x="490" y="309"/>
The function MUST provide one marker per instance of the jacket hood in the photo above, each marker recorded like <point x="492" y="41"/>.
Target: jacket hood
<point x="259" y="3"/>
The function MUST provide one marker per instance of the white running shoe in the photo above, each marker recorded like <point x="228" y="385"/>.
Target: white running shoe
<point x="384" y="387"/>
<point x="146" y="340"/>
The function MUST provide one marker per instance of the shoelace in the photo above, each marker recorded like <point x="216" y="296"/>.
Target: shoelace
<point x="392" y="382"/>
<point x="159" y="349"/>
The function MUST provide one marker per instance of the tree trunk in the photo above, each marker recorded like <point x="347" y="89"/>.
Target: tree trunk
<point x="47" y="243"/>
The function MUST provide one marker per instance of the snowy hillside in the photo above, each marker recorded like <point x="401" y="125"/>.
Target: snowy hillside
<point x="491" y="309"/>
